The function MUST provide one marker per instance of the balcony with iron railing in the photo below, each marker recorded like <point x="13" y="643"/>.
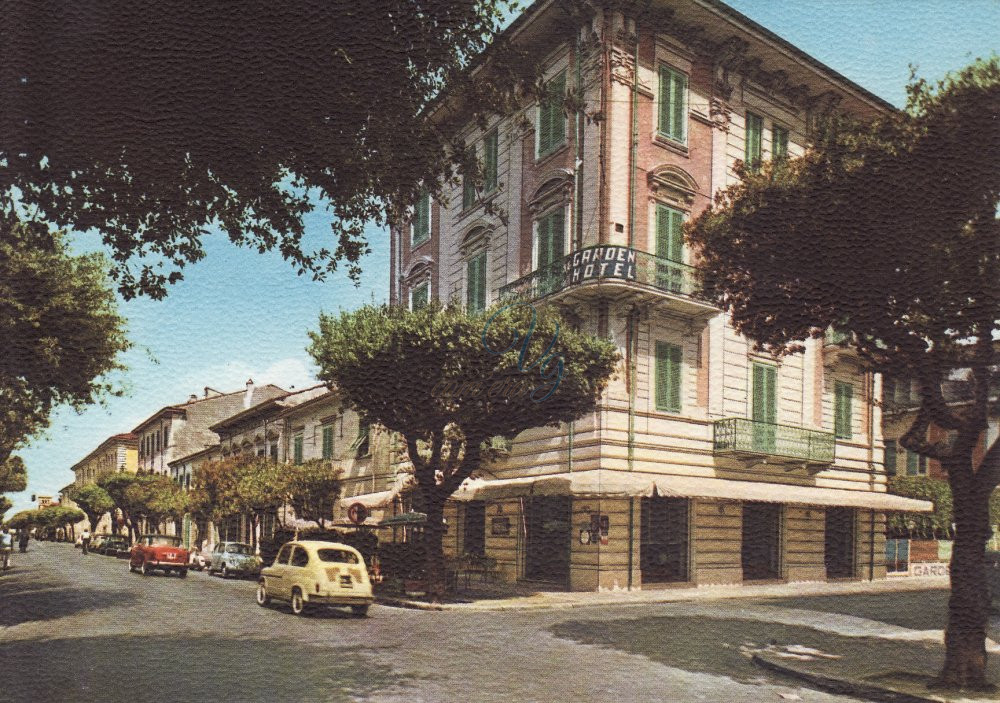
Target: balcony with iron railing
<point x="783" y="443"/>
<point x="837" y="345"/>
<point x="616" y="272"/>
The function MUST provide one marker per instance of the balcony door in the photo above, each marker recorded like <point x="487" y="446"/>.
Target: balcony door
<point x="764" y="408"/>
<point x="550" y="238"/>
<point x="669" y="248"/>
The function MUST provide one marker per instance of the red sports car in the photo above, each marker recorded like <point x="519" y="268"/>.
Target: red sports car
<point x="162" y="552"/>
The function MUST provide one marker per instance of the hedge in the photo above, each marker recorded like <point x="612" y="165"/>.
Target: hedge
<point x="936" y="525"/>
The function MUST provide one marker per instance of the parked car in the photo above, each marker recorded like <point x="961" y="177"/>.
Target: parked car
<point x="96" y="542"/>
<point x="234" y="559"/>
<point x="308" y="573"/>
<point x="115" y="546"/>
<point x="163" y="552"/>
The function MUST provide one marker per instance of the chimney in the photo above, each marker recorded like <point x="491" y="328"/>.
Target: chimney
<point x="248" y="398"/>
<point x="192" y="398"/>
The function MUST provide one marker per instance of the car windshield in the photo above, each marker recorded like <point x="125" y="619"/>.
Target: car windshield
<point x="338" y="556"/>
<point x="163" y="541"/>
<point x="239" y="549"/>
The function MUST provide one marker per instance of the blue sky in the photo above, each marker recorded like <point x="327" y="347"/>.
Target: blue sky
<point x="239" y="314"/>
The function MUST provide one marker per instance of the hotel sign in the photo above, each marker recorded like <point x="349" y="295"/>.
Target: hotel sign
<point x="602" y="262"/>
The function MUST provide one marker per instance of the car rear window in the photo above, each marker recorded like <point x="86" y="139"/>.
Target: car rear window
<point x="337" y="556"/>
<point x="164" y="541"/>
<point x="239" y="549"/>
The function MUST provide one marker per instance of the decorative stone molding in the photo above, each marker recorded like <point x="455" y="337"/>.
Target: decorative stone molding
<point x="672" y="184"/>
<point x="419" y="271"/>
<point x="476" y="237"/>
<point x="556" y="188"/>
<point x="721" y="114"/>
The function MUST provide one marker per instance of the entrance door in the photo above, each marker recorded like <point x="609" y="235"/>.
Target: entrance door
<point x="764" y="408"/>
<point x="474" y="534"/>
<point x="840" y="535"/>
<point x="548" y="538"/>
<point x="663" y="540"/>
<point x="761" y="548"/>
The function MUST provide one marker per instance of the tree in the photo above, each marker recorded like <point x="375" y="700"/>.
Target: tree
<point x="117" y="486"/>
<point x="23" y="520"/>
<point x="94" y="501"/>
<point x="441" y="379"/>
<point x="312" y="490"/>
<point x="244" y="128"/>
<point x="145" y="499"/>
<point x="58" y="517"/>
<point x="258" y="489"/>
<point x="61" y="331"/>
<point x="13" y="475"/>
<point x="889" y="232"/>
<point x="5" y="505"/>
<point x="210" y="486"/>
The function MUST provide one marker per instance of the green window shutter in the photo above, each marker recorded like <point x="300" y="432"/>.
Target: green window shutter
<point x="551" y="120"/>
<point x="328" y="442"/>
<point x="764" y="400"/>
<point x="476" y="284"/>
<point x="468" y="192"/>
<point x="420" y="296"/>
<point x="668" y="377"/>
<point x="297" y="449"/>
<point x="779" y="142"/>
<point x="672" y="118"/>
<point x="755" y="126"/>
<point x="551" y="238"/>
<point x="422" y="217"/>
<point x="890" y="457"/>
<point x="491" y="157"/>
<point x="843" y="397"/>
<point x="912" y="463"/>
<point x="669" y="233"/>
<point x="922" y="466"/>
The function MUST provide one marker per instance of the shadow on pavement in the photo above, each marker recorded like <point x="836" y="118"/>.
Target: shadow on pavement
<point x="722" y="647"/>
<point x="109" y="669"/>
<point x="32" y="601"/>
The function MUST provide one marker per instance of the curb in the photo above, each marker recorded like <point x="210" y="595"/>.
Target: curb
<point x="847" y="686"/>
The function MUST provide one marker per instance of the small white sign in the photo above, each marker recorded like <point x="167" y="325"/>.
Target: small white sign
<point x="929" y="569"/>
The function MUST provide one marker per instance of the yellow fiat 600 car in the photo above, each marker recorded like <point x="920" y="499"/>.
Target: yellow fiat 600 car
<point x="308" y="573"/>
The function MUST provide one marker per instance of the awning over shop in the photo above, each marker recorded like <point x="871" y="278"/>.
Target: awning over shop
<point x="404" y="519"/>
<point x="369" y="500"/>
<point x="605" y="483"/>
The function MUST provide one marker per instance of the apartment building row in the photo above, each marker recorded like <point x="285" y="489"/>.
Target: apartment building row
<point x="706" y="461"/>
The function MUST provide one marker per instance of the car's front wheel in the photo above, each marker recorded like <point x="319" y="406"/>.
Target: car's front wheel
<point x="298" y="602"/>
<point x="263" y="600"/>
<point x="182" y="573"/>
<point x="144" y="568"/>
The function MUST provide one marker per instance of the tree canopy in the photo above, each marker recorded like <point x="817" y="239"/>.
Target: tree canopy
<point x="151" y="124"/>
<point x="312" y="489"/>
<point x="94" y="501"/>
<point x="889" y="232"/>
<point x="447" y="382"/>
<point x="145" y="499"/>
<point x="61" y="330"/>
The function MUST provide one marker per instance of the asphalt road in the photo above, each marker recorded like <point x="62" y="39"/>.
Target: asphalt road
<point x="76" y="628"/>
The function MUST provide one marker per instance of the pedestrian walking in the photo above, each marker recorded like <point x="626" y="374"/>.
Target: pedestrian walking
<point x="6" y="548"/>
<point x="22" y="540"/>
<point x="85" y="540"/>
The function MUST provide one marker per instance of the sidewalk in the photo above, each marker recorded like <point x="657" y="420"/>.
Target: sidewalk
<point x="515" y="598"/>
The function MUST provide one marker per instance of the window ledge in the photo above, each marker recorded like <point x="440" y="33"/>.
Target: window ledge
<point x="671" y="144"/>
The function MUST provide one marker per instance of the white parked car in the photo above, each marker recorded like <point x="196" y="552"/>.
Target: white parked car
<point x="313" y="573"/>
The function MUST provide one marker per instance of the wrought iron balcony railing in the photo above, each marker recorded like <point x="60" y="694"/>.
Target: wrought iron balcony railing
<point x="737" y="435"/>
<point x="606" y="263"/>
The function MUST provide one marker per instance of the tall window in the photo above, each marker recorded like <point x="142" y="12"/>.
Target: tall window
<point x="421" y="226"/>
<point x="476" y="284"/>
<point x="779" y="143"/>
<point x="328" y="441"/>
<point x="891" y="450"/>
<point x="420" y="295"/>
<point x="755" y="128"/>
<point x="668" y="377"/>
<point x="916" y="464"/>
<point x="669" y="248"/>
<point x="468" y="192"/>
<point x="549" y="250"/>
<point x="551" y="129"/>
<point x="297" y="442"/>
<point x="672" y="120"/>
<point x="842" y="403"/>
<point x="491" y="153"/>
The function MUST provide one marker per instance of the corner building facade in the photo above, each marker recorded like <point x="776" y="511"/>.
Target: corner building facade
<point x="704" y="462"/>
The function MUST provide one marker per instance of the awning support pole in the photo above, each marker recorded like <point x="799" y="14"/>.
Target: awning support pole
<point x="631" y="537"/>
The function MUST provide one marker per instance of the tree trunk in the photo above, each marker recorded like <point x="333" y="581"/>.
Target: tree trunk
<point x="969" y="603"/>
<point x="434" y="547"/>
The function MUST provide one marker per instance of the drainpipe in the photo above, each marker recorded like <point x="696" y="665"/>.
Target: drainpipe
<point x="632" y="351"/>
<point x="871" y="546"/>
<point x="578" y="166"/>
<point x="603" y="196"/>
<point x="870" y="382"/>
<point x="631" y="537"/>
<point x="634" y="149"/>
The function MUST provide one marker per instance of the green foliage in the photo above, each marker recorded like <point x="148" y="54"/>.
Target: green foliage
<point x="5" y="505"/>
<point x="936" y="525"/>
<point x="312" y="490"/>
<point x="145" y="499"/>
<point x="319" y="100"/>
<point x="60" y="327"/>
<point x="57" y="516"/>
<point x="13" y="475"/>
<point x="365" y="541"/>
<point x="94" y="501"/>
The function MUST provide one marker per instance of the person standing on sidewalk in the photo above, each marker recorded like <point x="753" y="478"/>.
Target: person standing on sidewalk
<point x="85" y="540"/>
<point x="22" y="540"/>
<point x="6" y="548"/>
